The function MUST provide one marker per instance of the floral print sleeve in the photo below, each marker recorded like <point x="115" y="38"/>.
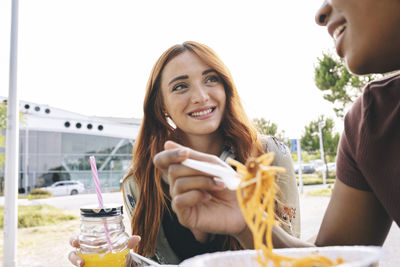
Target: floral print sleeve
<point x="287" y="204"/>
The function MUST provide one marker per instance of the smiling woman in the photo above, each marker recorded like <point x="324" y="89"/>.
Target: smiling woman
<point x="190" y="86"/>
<point x="191" y="99"/>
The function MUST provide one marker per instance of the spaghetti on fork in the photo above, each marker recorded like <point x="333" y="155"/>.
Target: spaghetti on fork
<point x="256" y="196"/>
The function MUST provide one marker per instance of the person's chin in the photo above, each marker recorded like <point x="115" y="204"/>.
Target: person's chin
<point x="356" y="66"/>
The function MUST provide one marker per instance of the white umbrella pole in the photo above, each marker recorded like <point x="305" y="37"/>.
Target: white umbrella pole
<point x="12" y="144"/>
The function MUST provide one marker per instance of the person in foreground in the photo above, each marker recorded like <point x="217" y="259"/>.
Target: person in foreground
<point x="192" y="100"/>
<point x="365" y="199"/>
<point x="367" y="35"/>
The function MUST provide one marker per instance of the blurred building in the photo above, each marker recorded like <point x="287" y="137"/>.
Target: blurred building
<point x="55" y="144"/>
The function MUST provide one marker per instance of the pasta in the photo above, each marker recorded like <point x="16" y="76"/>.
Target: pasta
<point x="256" y="196"/>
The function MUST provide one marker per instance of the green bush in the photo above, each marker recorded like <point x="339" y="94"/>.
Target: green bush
<point x="325" y="192"/>
<point x="39" y="193"/>
<point x="38" y="215"/>
<point x="305" y="157"/>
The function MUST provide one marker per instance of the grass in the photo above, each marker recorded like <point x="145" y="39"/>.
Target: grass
<point x="31" y="197"/>
<point x="36" y="194"/>
<point x="313" y="179"/>
<point x="325" y="192"/>
<point x="38" y="215"/>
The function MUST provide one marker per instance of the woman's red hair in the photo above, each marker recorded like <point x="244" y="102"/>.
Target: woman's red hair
<point x="155" y="130"/>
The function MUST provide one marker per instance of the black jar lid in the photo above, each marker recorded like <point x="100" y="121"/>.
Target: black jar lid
<point x="108" y="210"/>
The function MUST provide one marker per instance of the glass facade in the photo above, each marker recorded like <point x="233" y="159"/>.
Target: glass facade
<point x="48" y="157"/>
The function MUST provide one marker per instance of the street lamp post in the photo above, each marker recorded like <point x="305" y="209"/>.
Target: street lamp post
<point x="11" y="152"/>
<point x="321" y="146"/>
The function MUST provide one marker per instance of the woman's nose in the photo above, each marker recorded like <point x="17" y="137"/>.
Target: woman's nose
<point x="321" y="17"/>
<point x="200" y="94"/>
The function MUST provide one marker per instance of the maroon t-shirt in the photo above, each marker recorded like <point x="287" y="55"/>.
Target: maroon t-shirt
<point x="369" y="151"/>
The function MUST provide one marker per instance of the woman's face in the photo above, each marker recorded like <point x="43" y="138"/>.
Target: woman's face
<point x="367" y="32"/>
<point x="193" y="94"/>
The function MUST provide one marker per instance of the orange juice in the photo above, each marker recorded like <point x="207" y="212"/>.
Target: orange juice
<point x="105" y="260"/>
<point x="102" y="229"/>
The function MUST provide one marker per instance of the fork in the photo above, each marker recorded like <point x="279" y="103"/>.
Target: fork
<point x="226" y="174"/>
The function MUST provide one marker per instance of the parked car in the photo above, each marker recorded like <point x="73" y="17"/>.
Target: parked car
<point x="332" y="166"/>
<point x="65" y="188"/>
<point x="305" y="169"/>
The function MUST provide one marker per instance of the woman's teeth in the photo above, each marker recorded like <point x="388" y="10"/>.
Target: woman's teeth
<point x="201" y="113"/>
<point x="339" y="31"/>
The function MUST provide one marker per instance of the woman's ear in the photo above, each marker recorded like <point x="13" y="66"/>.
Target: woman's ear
<point x="164" y="111"/>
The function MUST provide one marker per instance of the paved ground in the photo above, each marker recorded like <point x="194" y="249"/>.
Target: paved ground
<point x="48" y="246"/>
<point x="312" y="211"/>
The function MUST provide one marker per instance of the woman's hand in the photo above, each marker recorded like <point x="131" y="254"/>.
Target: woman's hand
<point x="201" y="203"/>
<point x="77" y="261"/>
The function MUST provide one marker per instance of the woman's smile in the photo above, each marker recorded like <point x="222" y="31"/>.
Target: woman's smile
<point x="203" y="113"/>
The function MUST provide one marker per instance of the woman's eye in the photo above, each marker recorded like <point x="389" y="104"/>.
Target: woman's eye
<point x="212" y="79"/>
<point x="179" y="87"/>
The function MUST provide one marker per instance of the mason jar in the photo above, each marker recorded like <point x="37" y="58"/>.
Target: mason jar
<point x="94" y="247"/>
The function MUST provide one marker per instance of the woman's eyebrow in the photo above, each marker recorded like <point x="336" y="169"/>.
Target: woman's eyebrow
<point x="182" y="77"/>
<point x="208" y="71"/>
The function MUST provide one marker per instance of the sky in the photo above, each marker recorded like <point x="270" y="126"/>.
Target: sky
<point x="94" y="56"/>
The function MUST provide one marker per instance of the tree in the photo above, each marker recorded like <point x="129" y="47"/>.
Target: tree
<point x="3" y="126"/>
<point x="267" y="127"/>
<point x="310" y="140"/>
<point x="340" y="87"/>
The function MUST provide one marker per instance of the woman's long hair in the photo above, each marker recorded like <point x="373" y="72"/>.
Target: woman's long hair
<point x="155" y="130"/>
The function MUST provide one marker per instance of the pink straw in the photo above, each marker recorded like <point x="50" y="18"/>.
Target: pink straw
<point x="100" y="197"/>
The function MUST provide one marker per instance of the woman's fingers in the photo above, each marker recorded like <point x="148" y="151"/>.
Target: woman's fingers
<point x="75" y="260"/>
<point x="171" y="145"/>
<point x="173" y="149"/>
<point x="133" y="241"/>
<point x="164" y="159"/>
<point x="201" y="183"/>
<point x="187" y="200"/>
<point x="74" y="242"/>
<point x="168" y="161"/>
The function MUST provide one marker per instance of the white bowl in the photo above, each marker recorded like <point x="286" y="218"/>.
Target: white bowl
<point x="354" y="256"/>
